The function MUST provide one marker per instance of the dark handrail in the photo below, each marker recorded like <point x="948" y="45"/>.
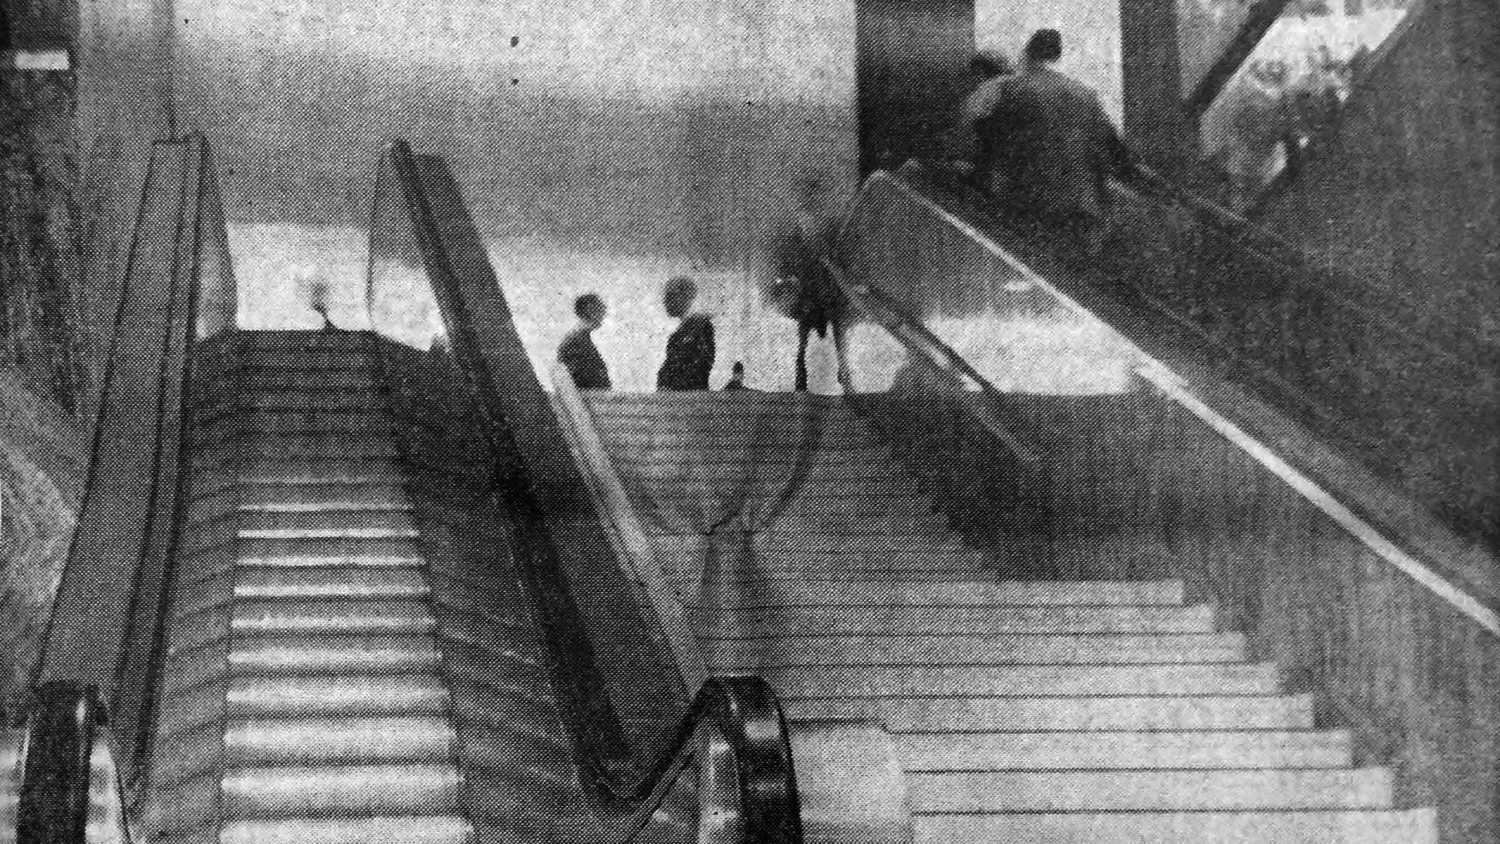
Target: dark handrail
<point x="104" y="627"/>
<point x="61" y="731"/>
<point x="744" y="711"/>
<point x="917" y="338"/>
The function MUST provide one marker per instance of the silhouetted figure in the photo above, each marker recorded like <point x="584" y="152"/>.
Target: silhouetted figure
<point x="804" y="289"/>
<point x="690" y="349"/>
<point x="577" y="351"/>
<point x="315" y="287"/>
<point x="989" y="69"/>
<point x="1053" y="147"/>
<point x="736" y="378"/>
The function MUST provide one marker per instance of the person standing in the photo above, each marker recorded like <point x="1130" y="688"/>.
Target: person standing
<point x="1054" y="148"/>
<point x="991" y="70"/>
<point x="803" y="285"/>
<point x="690" y="348"/>
<point x="577" y="351"/>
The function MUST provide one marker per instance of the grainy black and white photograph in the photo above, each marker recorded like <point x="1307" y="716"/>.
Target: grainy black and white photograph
<point x="750" y="422"/>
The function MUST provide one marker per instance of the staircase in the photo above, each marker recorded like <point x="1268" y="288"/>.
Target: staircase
<point x="1023" y="711"/>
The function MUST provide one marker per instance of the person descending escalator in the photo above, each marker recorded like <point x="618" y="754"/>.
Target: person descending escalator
<point x="690" y="348"/>
<point x="1053" y="150"/>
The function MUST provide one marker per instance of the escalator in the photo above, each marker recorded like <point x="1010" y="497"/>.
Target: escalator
<point x="380" y="584"/>
<point x="312" y="598"/>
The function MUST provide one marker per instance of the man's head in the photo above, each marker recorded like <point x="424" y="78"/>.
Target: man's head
<point x="738" y="370"/>
<point x="590" y="309"/>
<point x="986" y="64"/>
<point x="1045" y="46"/>
<point x="677" y="297"/>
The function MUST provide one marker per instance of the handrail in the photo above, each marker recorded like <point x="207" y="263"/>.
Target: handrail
<point x="54" y="796"/>
<point x="747" y="752"/>
<point x="634" y="546"/>
<point x="104" y="627"/>
<point x="917" y="338"/>
<point x="63" y="729"/>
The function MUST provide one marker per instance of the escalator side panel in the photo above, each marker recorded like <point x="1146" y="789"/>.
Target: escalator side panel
<point x="104" y="624"/>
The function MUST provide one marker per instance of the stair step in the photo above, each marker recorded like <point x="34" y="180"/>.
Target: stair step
<point x="294" y="696"/>
<point x="1088" y="791"/>
<point x="292" y="498"/>
<point x="1084" y="714"/>
<point x="327" y="524"/>
<point x="753" y="655"/>
<point x="259" y="377"/>
<point x="340" y="791"/>
<point x="412" y="829"/>
<point x="329" y="398"/>
<point x="319" y="470"/>
<point x="334" y="444"/>
<point x="898" y="620"/>
<point x="329" y="552"/>
<point x="1219" y="749"/>
<point x="346" y="655"/>
<point x="333" y="740"/>
<point x="315" y="583"/>
<point x="1418" y="826"/>
<point x="328" y="615"/>
<point x="313" y="422"/>
<point x="1022" y="681"/>
<point x="998" y="593"/>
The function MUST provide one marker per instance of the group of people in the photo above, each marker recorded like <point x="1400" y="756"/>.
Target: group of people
<point x="1044" y="146"/>
<point x="690" y="348"/>
<point x="1045" y="149"/>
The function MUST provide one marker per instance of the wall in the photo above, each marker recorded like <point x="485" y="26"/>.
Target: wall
<point x="601" y="145"/>
<point x="1403" y="202"/>
<point x="913" y="75"/>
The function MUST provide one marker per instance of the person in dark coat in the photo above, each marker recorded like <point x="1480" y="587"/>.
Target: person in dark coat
<point x="803" y="287"/>
<point x="690" y="349"/>
<point x="1053" y="147"/>
<point x="578" y="352"/>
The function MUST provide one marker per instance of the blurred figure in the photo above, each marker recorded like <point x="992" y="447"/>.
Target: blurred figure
<point x="1053" y="148"/>
<point x="315" y="287"/>
<point x="803" y="289"/>
<point x="736" y="378"/>
<point x="577" y="351"/>
<point x="690" y="349"/>
<point x="990" y="69"/>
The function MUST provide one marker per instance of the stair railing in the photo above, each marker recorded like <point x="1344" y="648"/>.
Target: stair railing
<point x="732" y="727"/>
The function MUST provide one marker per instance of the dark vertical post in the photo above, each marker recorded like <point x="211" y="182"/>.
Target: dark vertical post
<point x="912" y="65"/>
<point x="1157" y="123"/>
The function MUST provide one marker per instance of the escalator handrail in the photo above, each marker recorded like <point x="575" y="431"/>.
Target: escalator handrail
<point x="927" y="348"/>
<point x="64" y="723"/>
<point x="744" y="710"/>
<point x="119" y="661"/>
